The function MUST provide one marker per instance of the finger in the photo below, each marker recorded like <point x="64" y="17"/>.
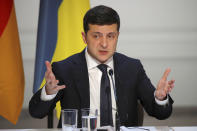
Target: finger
<point x="48" y="66"/>
<point x="50" y="79"/>
<point x="166" y="89"/>
<point x="47" y="74"/>
<point x="171" y="82"/>
<point x="57" y="88"/>
<point x="54" y="82"/>
<point x="170" y="88"/>
<point x="48" y="69"/>
<point x="166" y="73"/>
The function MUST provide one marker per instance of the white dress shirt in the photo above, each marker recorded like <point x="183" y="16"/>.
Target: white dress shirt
<point x="95" y="75"/>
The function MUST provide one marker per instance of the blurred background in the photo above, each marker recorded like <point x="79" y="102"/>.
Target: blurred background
<point x="161" y="33"/>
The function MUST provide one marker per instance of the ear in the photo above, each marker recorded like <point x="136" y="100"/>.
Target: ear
<point x="118" y="33"/>
<point x="84" y="37"/>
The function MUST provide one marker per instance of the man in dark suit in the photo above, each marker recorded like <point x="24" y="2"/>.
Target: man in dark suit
<point x="76" y="81"/>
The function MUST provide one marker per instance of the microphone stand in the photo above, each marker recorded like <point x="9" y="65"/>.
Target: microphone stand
<point x="117" y="122"/>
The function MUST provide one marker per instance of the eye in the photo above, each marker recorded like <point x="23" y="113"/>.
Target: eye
<point x="96" y="36"/>
<point x="111" y="36"/>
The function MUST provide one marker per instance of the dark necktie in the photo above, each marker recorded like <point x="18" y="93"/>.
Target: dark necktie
<point x="105" y="98"/>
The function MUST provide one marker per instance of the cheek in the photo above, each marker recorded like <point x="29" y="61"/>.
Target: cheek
<point x="113" y="45"/>
<point x="95" y="44"/>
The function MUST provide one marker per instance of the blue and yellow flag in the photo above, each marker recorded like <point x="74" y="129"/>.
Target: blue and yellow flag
<point x="59" y="34"/>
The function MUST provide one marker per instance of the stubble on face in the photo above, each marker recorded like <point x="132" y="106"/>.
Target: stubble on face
<point x="101" y="41"/>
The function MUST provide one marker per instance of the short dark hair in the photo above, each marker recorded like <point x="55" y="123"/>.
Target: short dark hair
<point x="101" y="15"/>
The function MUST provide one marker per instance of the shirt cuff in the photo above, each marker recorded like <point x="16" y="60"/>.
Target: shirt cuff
<point x="163" y="102"/>
<point x="46" y="97"/>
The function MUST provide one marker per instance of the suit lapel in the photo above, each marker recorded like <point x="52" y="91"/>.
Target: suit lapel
<point x="82" y="79"/>
<point x="117" y="73"/>
<point x="120" y="77"/>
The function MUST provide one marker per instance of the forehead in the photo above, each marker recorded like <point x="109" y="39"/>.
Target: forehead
<point x="103" y="28"/>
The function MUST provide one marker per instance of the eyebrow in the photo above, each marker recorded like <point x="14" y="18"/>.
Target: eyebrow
<point x="112" y="33"/>
<point x="102" y="33"/>
<point x="96" y="32"/>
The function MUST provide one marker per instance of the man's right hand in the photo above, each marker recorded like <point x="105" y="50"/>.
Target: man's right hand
<point x="51" y="82"/>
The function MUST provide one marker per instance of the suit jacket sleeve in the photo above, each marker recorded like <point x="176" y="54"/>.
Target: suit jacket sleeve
<point x="39" y="108"/>
<point x="146" y="96"/>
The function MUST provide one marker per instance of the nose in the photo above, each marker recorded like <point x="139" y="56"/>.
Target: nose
<point x="104" y="42"/>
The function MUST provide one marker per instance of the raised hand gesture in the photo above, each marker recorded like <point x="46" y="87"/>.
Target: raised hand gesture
<point x="51" y="82"/>
<point x="164" y="86"/>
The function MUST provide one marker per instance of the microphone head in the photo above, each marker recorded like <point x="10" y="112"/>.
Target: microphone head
<point x="110" y="72"/>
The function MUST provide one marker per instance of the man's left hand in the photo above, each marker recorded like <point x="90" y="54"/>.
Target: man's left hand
<point x="164" y="86"/>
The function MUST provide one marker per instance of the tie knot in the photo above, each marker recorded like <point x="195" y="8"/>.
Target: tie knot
<point x="103" y="68"/>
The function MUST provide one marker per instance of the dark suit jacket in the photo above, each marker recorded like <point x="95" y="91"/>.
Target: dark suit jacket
<point x="132" y="84"/>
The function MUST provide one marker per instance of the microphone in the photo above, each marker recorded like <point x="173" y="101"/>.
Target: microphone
<point x="117" y="116"/>
<point x="113" y="83"/>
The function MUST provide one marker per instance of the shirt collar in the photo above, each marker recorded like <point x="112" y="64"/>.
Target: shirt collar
<point x="93" y="63"/>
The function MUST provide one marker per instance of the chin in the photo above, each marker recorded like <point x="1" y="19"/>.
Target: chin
<point x="103" y="60"/>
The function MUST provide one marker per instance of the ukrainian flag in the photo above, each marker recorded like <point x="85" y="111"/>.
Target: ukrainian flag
<point x="59" y="34"/>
